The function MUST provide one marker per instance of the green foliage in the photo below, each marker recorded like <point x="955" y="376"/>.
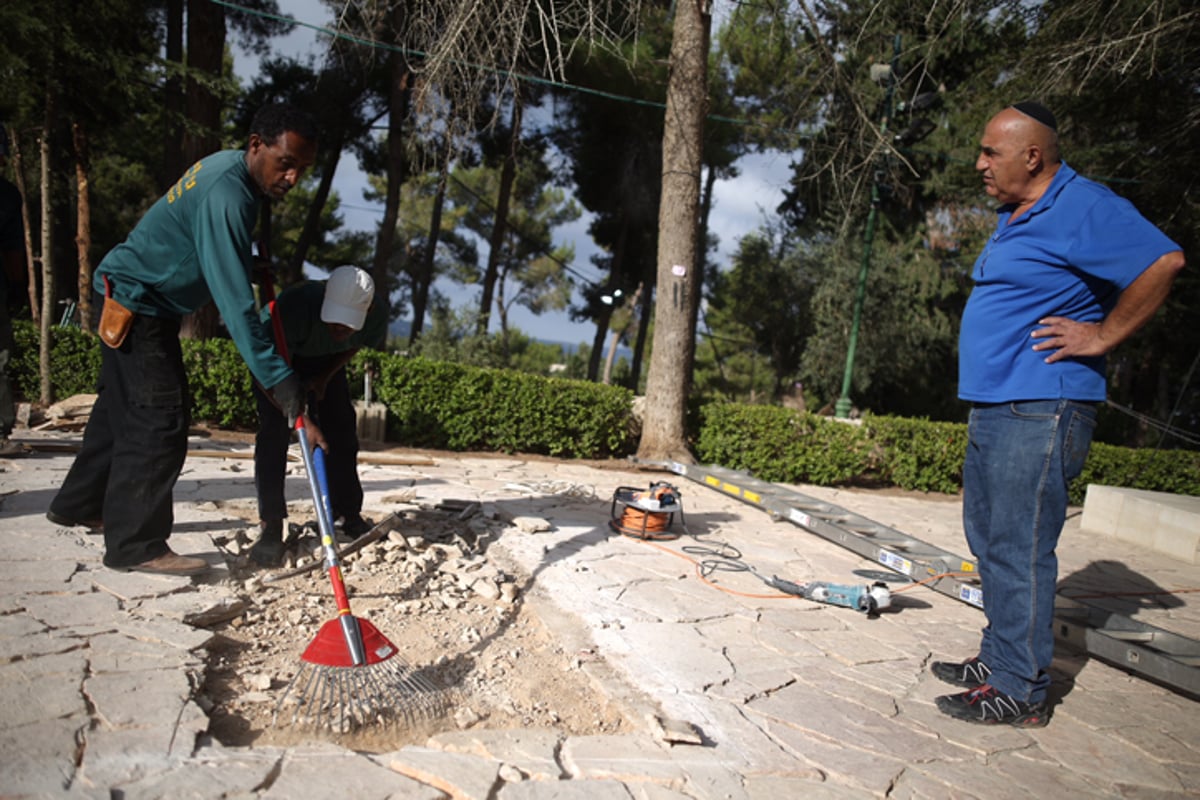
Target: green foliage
<point x="919" y="454"/>
<point x="452" y="406"/>
<point x="531" y="269"/>
<point x="758" y="320"/>
<point x="75" y="357"/>
<point x="780" y="445"/>
<point x="452" y="337"/>
<point x="1175" y="471"/>
<point x="220" y="383"/>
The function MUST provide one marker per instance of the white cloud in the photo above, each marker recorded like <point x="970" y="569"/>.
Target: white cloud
<point x="740" y="205"/>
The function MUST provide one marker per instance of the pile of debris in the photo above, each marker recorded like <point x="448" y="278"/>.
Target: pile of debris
<point x="425" y="577"/>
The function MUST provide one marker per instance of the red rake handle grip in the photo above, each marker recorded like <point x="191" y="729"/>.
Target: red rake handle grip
<point x="314" y="465"/>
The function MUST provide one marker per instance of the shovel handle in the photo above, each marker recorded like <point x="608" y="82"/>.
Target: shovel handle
<point x="314" y="466"/>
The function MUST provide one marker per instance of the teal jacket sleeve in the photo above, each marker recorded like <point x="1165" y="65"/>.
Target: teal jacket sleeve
<point x="222" y="232"/>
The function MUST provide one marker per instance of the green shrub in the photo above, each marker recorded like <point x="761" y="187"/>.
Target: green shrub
<point x="919" y="454"/>
<point x="220" y="383"/>
<point x="779" y="445"/>
<point x="782" y="445"/>
<point x="456" y="407"/>
<point x="453" y="406"/>
<point x="1174" y="471"/>
<point x="74" y="359"/>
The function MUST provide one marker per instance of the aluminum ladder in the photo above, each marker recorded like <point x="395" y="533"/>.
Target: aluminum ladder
<point x="1166" y="658"/>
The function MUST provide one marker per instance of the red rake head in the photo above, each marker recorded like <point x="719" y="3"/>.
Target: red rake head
<point x="329" y="648"/>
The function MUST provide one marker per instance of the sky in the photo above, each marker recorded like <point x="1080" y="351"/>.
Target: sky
<point x="739" y="205"/>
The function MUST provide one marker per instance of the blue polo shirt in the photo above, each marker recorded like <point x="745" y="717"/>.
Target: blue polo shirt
<point x="1070" y="256"/>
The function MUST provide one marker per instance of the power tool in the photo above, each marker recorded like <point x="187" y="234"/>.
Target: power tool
<point x="867" y="598"/>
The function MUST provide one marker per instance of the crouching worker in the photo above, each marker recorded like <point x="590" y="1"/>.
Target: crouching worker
<point x="319" y="326"/>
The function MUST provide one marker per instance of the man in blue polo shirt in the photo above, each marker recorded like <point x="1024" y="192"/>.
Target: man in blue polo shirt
<point x="1071" y="271"/>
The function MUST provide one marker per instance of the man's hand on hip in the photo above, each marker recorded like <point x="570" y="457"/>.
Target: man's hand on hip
<point x="1068" y="338"/>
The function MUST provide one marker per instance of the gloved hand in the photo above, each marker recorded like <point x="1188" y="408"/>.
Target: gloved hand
<point x="289" y="395"/>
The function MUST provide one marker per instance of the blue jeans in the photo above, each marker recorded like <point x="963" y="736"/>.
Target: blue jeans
<point x="1021" y="456"/>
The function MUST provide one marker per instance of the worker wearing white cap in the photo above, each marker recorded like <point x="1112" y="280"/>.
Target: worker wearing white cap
<point x="319" y="326"/>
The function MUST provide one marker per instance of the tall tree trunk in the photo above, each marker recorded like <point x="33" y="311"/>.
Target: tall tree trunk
<point x="423" y="281"/>
<point x="312" y="221"/>
<point x="205" y="57"/>
<point x="173" y="162"/>
<point x="664" y="432"/>
<point x="32" y="262"/>
<point x="645" y="312"/>
<point x="83" y="224"/>
<point x="597" y="353"/>
<point x="397" y="170"/>
<point x="500" y="224"/>
<point x="617" y="267"/>
<point x="205" y="54"/>
<point x="48" y="291"/>
<point x="633" y="325"/>
<point x="706" y="198"/>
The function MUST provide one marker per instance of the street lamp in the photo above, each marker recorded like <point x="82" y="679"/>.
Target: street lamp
<point x="879" y="72"/>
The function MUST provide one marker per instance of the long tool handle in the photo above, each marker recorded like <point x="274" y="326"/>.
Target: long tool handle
<point x="314" y="465"/>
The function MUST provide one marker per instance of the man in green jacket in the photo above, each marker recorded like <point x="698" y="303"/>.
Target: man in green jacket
<point x="192" y="246"/>
<point x="321" y="325"/>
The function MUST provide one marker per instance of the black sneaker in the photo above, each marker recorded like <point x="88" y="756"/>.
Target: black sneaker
<point x="355" y="526"/>
<point x="268" y="550"/>
<point x="968" y="674"/>
<point x="989" y="706"/>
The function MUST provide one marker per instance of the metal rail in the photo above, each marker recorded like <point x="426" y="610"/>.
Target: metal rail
<point x="1158" y="655"/>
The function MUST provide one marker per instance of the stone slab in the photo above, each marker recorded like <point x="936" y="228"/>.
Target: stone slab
<point x="460" y="776"/>
<point x="1167" y="523"/>
<point x="533" y="752"/>
<point x="38" y="757"/>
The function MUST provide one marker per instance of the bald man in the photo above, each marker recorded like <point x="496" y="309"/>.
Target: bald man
<point x="1071" y="271"/>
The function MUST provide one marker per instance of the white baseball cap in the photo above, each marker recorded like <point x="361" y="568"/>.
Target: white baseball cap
<point x="348" y="295"/>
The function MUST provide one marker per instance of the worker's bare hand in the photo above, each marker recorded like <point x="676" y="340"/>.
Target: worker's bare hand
<point x="315" y="437"/>
<point x="1069" y="338"/>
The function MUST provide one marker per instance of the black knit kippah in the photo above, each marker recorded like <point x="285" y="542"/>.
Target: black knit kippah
<point x="1037" y="111"/>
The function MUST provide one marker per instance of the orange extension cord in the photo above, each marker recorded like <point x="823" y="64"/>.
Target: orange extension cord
<point x="649" y="527"/>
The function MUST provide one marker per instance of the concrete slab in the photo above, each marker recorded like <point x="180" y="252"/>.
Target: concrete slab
<point x="460" y="776"/>
<point x="44" y="688"/>
<point x="1164" y="522"/>
<point x="533" y="752"/>
<point x="791" y="699"/>
<point x="39" y="757"/>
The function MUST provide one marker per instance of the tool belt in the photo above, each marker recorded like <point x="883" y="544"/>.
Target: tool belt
<point x="115" y="319"/>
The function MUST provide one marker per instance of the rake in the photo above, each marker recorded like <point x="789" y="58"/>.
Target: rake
<point x="351" y="675"/>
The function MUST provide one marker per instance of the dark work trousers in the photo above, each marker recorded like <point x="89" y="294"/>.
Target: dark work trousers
<point x="334" y="414"/>
<point x="134" y="445"/>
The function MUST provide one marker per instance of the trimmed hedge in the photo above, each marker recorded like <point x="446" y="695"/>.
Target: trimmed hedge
<point x="786" y="446"/>
<point x="430" y="404"/>
<point x="74" y="355"/>
<point x="451" y="406"/>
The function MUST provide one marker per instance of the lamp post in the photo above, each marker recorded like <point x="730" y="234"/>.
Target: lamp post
<point x="841" y="409"/>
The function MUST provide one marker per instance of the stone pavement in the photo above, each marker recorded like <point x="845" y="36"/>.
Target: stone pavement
<point x="779" y="697"/>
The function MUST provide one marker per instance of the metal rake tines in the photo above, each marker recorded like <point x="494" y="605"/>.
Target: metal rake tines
<point x="344" y="698"/>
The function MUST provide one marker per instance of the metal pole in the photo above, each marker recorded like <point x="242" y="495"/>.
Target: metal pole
<point x="841" y="409"/>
